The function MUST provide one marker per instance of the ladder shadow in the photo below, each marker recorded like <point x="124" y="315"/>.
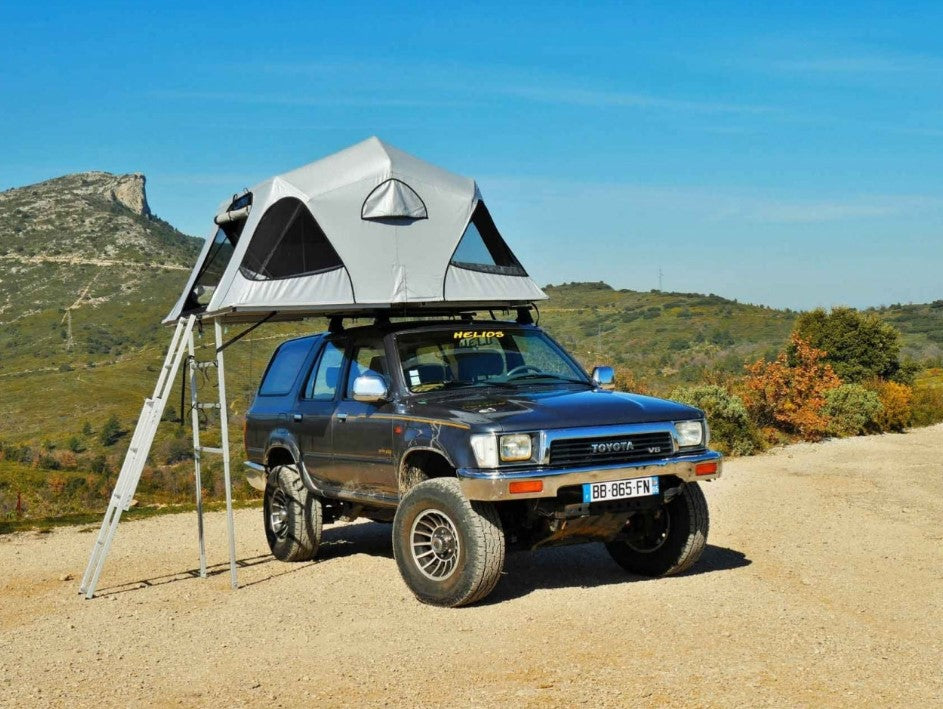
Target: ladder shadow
<point x="163" y="580"/>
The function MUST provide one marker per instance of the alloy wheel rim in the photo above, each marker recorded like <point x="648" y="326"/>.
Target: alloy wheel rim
<point x="278" y="514"/>
<point x="434" y="544"/>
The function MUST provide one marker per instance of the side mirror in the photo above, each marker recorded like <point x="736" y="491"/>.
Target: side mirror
<point x="370" y="388"/>
<point x="604" y="378"/>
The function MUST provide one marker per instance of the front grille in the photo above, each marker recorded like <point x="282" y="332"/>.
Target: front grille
<point x="579" y="451"/>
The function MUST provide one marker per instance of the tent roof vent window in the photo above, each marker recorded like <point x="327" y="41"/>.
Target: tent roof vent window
<point x="481" y="247"/>
<point x="287" y="243"/>
<point x="393" y="199"/>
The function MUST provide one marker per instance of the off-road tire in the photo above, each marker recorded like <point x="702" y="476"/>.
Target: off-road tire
<point x="478" y="555"/>
<point x="298" y="537"/>
<point x="683" y="545"/>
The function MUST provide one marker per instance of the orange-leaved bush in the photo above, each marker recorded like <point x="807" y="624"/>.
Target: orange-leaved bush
<point x="791" y="396"/>
<point x="896" y="400"/>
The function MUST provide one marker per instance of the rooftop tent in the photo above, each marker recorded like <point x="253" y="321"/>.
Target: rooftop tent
<point x="368" y="228"/>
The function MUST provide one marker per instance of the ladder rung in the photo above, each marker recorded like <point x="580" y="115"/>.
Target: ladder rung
<point x="204" y="364"/>
<point x="210" y="449"/>
<point x="208" y="406"/>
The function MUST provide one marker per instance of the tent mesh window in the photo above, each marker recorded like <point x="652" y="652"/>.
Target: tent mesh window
<point x="217" y="258"/>
<point x="288" y="242"/>
<point x="481" y="247"/>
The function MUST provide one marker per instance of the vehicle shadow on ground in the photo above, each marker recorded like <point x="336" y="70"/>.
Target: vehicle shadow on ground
<point x="588" y="566"/>
<point x="372" y="538"/>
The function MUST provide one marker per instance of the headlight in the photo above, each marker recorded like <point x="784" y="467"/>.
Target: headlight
<point x="485" y="447"/>
<point x="515" y="447"/>
<point x="690" y="433"/>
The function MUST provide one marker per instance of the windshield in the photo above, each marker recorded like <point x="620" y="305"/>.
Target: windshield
<point x="479" y="356"/>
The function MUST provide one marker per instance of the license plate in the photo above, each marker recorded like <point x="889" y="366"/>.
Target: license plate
<point x="619" y="489"/>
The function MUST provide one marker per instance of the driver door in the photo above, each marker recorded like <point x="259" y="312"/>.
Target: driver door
<point x="363" y="431"/>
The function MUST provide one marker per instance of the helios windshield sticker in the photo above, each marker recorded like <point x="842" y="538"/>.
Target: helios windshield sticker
<point x="477" y="334"/>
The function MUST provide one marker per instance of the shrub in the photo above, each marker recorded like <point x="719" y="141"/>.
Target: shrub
<point x="927" y="403"/>
<point x="47" y="461"/>
<point x="75" y="444"/>
<point x="859" y="347"/>
<point x="627" y="381"/>
<point x="732" y="431"/>
<point x="67" y="460"/>
<point x="852" y="410"/>
<point x="895" y="401"/>
<point x="790" y="396"/>
<point x="111" y="431"/>
<point x="177" y="449"/>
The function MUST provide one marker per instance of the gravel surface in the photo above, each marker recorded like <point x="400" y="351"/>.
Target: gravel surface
<point x="822" y="585"/>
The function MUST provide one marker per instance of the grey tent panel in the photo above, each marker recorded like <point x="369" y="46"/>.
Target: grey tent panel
<point x="367" y="228"/>
<point x="393" y="199"/>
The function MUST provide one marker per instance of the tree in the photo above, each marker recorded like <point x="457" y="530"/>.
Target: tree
<point x="111" y="431"/>
<point x="858" y="346"/>
<point x="789" y="393"/>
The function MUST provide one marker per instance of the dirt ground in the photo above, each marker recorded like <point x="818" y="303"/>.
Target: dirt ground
<point x="822" y="585"/>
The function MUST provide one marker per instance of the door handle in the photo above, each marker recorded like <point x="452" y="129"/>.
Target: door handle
<point x="296" y="417"/>
<point x="342" y="417"/>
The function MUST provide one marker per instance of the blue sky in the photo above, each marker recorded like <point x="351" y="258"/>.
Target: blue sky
<point x="789" y="154"/>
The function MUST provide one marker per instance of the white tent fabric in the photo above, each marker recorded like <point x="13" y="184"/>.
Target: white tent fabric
<point x="393" y="220"/>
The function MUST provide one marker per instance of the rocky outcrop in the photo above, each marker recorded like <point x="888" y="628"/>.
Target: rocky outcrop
<point x="129" y="191"/>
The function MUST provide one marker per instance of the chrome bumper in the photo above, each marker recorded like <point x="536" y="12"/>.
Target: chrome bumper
<point x="256" y="475"/>
<point x="492" y="485"/>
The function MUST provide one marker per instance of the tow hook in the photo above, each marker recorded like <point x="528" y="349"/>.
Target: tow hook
<point x="672" y="492"/>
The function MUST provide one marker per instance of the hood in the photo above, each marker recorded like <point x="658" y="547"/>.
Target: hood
<point x="547" y="408"/>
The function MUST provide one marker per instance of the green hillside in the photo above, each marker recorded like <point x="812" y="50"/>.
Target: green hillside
<point x="921" y="326"/>
<point x="662" y="338"/>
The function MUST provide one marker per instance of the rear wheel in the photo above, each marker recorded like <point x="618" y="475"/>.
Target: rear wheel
<point x="292" y="516"/>
<point x="666" y="541"/>
<point x="450" y="551"/>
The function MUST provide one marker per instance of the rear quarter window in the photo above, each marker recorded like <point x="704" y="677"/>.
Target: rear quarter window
<point x="284" y="368"/>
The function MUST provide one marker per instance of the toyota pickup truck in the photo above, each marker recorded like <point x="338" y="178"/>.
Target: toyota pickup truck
<point x="472" y="437"/>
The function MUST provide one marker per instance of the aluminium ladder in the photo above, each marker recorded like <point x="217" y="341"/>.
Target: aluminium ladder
<point x="181" y="346"/>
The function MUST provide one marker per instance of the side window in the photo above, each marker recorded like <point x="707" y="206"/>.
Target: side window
<point x="322" y="384"/>
<point x="367" y="358"/>
<point x="283" y="370"/>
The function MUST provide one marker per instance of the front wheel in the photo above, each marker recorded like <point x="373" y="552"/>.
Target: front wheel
<point x="666" y="541"/>
<point x="450" y="551"/>
<point x="292" y="516"/>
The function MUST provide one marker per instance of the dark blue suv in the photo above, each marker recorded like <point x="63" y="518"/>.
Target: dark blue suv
<point x="472" y="437"/>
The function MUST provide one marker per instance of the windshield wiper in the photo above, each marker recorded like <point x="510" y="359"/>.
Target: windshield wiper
<point x="547" y="375"/>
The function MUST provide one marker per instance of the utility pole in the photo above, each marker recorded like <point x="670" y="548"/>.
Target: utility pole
<point x="660" y="274"/>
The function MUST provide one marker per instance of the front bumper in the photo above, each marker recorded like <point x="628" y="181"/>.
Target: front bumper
<point x="492" y="485"/>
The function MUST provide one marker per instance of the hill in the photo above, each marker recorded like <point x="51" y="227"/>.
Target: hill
<point x="667" y="338"/>
<point x="86" y="271"/>
<point x="662" y="338"/>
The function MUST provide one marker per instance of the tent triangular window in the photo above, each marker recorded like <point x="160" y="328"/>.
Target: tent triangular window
<point x="393" y="199"/>
<point x="288" y="242"/>
<point x="218" y="257"/>
<point x="481" y="247"/>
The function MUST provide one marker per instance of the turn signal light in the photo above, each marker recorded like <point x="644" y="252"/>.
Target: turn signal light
<point x="705" y="468"/>
<point x="526" y="486"/>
